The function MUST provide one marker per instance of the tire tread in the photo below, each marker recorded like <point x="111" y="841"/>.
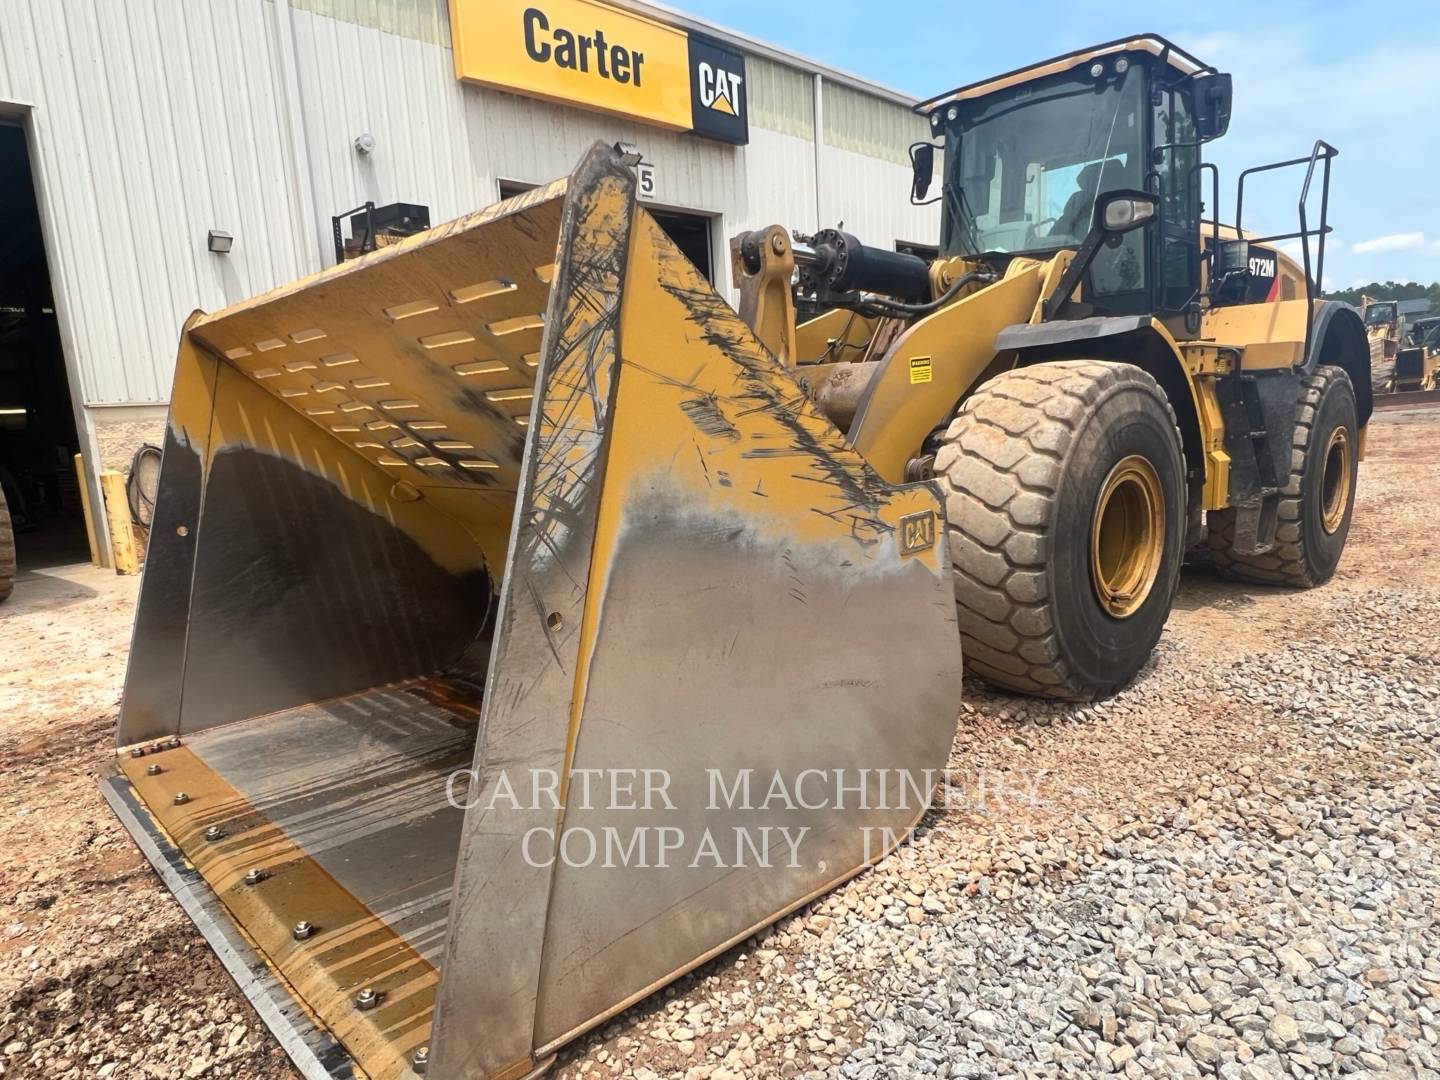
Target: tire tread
<point x="1005" y="452"/>
<point x="1286" y="564"/>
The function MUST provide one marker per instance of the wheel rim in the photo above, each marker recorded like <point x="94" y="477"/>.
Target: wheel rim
<point x="1335" y="483"/>
<point x="1127" y="536"/>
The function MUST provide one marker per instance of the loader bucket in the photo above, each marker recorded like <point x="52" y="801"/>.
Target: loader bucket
<point x="514" y="637"/>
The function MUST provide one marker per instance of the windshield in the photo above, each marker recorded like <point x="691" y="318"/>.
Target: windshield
<point x="1379" y="314"/>
<point x="1024" y="167"/>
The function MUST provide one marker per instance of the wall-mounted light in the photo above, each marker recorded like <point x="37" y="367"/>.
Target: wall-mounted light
<point x="365" y="144"/>
<point x="220" y="242"/>
<point x="629" y="153"/>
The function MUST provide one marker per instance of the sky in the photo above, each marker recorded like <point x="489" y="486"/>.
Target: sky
<point x="1363" y="77"/>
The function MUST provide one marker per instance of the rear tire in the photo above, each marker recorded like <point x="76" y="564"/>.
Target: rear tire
<point x="7" y="550"/>
<point x="1065" y="498"/>
<point x="1324" y="467"/>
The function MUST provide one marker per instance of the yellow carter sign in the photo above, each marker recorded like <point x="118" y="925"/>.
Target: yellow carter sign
<point x="578" y="52"/>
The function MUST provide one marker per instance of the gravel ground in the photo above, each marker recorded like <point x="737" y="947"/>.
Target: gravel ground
<point x="1229" y="869"/>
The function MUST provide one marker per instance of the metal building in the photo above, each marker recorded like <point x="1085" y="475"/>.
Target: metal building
<point x="158" y="156"/>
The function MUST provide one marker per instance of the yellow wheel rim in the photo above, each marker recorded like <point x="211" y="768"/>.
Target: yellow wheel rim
<point x="1335" y="482"/>
<point x="1127" y="536"/>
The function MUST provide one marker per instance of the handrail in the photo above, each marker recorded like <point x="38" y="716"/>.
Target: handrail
<point x="1322" y="151"/>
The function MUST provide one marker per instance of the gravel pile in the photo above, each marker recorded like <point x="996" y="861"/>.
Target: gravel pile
<point x="1227" y="870"/>
<point x="1280" y="923"/>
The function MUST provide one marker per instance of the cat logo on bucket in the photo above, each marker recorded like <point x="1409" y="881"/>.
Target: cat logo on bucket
<point x="588" y="54"/>
<point x="917" y="533"/>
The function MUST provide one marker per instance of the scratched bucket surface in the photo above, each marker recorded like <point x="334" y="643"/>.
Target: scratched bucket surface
<point x="522" y="495"/>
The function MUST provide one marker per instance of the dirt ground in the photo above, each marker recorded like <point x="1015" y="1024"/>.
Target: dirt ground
<point x="101" y="974"/>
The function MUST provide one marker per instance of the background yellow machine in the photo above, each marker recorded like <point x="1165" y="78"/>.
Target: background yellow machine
<point x="1383" y="329"/>
<point x="1417" y="359"/>
<point x="518" y="618"/>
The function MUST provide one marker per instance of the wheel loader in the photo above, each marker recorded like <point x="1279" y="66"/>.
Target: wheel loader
<point x="523" y="626"/>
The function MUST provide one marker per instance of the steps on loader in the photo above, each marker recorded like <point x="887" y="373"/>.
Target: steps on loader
<point x="1254" y="447"/>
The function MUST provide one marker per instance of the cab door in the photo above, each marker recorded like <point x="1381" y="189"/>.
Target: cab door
<point x="1175" y="176"/>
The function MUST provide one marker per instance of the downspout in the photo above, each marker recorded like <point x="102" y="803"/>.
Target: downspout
<point x="818" y="142"/>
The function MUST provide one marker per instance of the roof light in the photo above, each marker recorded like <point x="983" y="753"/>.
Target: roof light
<point x="1121" y="66"/>
<point x="951" y="113"/>
<point x="1097" y="69"/>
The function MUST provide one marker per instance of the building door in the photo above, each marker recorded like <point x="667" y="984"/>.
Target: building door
<point x="38" y="442"/>
<point x="689" y="232"/>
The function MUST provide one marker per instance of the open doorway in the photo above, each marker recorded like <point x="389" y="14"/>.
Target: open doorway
<point x="38" y="442"/>
<point x="689" y="232"/>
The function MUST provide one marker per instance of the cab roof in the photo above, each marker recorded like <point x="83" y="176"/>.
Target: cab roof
<point x="1168" y="51"/>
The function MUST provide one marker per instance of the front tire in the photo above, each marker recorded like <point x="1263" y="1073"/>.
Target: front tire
<point x="1065" y="499"/>
<point x="1317" y="500"/>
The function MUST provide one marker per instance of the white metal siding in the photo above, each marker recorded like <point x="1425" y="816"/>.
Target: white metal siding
<point x="157" y="120"/>
<point x="154" y="121"/>
<point x="425" y="20"/>
<point x="870" y="125"/>
<point x="874" y="200"/>
<point x="779" y="184"/>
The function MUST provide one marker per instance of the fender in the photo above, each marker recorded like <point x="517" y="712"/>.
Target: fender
<point x="1141" y="340"/>
<point x="1338" y="337"/>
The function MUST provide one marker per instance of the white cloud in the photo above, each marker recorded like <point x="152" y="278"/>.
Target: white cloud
<point x="1410" y="241"/>
<point x="1294" y="250"/>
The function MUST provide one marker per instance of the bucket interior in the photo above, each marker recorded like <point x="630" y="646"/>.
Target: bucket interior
<point x="342" y="469"/>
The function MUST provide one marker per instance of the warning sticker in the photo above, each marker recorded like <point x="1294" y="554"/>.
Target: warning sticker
<point x="919" y="369"/>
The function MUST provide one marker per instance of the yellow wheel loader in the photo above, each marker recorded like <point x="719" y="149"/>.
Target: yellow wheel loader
<point x="1097" y="378"/>
<point x="458" y="713"/>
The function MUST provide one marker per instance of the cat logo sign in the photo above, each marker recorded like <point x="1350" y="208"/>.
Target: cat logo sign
<point x="719" y="88"/>
<point x="717" y="92"/>
<point x="917" y="533"/>
<point x="591" y="55"/>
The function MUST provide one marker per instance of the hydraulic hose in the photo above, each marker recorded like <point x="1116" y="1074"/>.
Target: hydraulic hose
<point x="877" y="305"/>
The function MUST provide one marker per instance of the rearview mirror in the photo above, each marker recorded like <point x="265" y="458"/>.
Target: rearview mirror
<point x="922" y="165"/>
<point x="1212" y="105"/>
<point x="1121" y="211"/>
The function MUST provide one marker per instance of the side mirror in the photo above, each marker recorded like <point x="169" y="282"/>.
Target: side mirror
<point x="1119" y="212"/>
<point x="922" y="165"/>
<point x="1212" y="105"/>
<point x="1116" y="213"/>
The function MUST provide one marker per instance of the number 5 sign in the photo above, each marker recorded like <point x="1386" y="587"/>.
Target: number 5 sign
<point x="645" y="171"/>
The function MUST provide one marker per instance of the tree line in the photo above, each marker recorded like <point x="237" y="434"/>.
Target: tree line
<point x="1390" y="290"/>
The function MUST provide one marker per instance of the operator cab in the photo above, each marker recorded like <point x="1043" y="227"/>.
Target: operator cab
<point x="1030" y="155"/>
<point x="1382" y="314"/>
